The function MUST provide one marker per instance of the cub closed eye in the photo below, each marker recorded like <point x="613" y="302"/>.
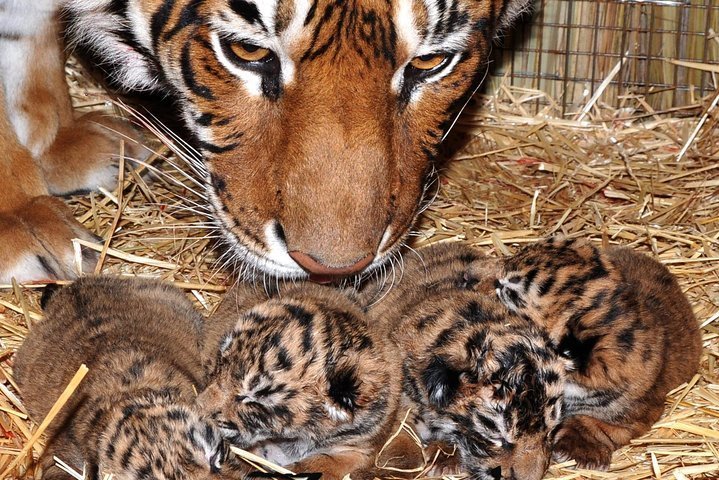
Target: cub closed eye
<point x="429" y="62"/>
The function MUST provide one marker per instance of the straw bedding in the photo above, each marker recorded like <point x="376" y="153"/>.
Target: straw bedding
<point x="514" y="179"/>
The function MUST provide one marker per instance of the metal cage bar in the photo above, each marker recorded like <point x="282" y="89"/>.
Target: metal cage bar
<point x="570" y="47"/>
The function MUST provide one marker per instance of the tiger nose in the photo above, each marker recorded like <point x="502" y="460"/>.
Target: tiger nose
<point x="322" y="273"/>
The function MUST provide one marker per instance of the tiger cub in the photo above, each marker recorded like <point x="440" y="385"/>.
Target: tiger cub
<point x="300" y="379"/>
<point x="624" y="322"/>
<point x="133" y="414"/>
<point x="474" y="374"/>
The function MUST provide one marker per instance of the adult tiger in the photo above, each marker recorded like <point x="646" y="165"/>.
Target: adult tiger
<point x="318" y="120"/>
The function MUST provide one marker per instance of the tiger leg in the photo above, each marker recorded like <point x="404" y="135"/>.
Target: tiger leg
<point x="36" y="242"/>
<point x="35" y="229"/>
<point x="72" y="154"/>
<point x="591" y="442"/>
<point x="84" y="155"/>
<point x="65" y="450"/>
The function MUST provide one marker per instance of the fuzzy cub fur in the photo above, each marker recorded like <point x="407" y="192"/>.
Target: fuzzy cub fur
<point x="133" y="414"/>
<point x="300" y="379"/>
<point x="475" y="374"/>
<point x="622" y="319"/>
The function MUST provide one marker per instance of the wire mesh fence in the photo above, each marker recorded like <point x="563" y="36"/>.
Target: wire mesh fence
<point x="629" y="51"/>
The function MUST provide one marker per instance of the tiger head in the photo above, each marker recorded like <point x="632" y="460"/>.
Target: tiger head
<point x="556" y="280"/>
<point x="318" y="121"/>
<point x="298" y="375"/>
<point x="482" y="379"/>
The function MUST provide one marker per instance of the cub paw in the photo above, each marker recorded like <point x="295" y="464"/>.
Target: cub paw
<point x="444" y="461"/>
<point x="582" y="442"/>
<point x="85" y="155"/>
<point x="36" y="242"/>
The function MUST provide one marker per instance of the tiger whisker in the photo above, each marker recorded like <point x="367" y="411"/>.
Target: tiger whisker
<point x="469" y="99"/>
<point x="417" y="254"/>
<point x="178" y="209"/>
<point x="171" y="202"/>
<point x="161" y="130"/>
<point x="173" y="180"/>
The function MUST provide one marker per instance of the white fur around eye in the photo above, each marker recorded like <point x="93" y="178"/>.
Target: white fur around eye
<point x="251" y="80"/>
<point x="417" y="45"/>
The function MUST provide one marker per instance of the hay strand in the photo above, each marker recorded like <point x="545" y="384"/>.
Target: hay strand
<point x="57" y="406"/>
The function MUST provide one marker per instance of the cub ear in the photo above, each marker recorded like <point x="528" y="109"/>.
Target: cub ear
<point x="219" y="456"/>
<point x="441" y="381"/>
<point x="47" y="293"/>
<point x="344" y="387"/>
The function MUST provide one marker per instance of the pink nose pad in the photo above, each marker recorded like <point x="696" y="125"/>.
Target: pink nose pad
<point x="324" y="274"/>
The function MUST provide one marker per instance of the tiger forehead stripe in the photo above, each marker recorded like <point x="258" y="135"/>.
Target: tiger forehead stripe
<point x="284" y="18"/>
<point x="366" y="27"/>
<point x="406" y="19"/>
<point x="291" y="18"/>
<point x="249" y="11"/>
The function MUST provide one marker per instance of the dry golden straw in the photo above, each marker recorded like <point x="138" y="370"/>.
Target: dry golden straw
<point x="62" y="399"/>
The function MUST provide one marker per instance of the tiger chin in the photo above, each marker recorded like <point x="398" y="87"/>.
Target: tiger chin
<point x="317" y="122"/>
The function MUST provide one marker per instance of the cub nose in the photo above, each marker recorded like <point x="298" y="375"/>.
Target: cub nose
<point x="325" y="273"/>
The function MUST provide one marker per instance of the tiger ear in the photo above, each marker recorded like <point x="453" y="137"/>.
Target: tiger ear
<point x="47" y="293"/>
<point x="442" y="381"/>
<point x="344" y="388"/>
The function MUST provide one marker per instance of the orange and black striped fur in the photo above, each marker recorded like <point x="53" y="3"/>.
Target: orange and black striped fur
<point x="622" y="320"/>
<point x="301" y="379"/>
<point x="133" y="415"/>
<point x="317" y="123"/>
<point x="475" y="374"/>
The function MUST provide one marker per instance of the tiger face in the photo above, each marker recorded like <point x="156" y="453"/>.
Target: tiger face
<point x="300" y="376"/>
<point x="317" y="121"/>
<point x="556" y="282"/>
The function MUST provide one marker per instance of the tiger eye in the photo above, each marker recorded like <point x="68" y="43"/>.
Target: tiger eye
<point x="429" y="61"/>
<point x="249" y="52"/>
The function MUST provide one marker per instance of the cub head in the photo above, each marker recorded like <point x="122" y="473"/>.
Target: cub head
<point x="553" y="279"/>
<point x="300" y="372"/>
<point x="494" y="389"/>
<point x="153" y="438"/>
<point x="318" y="121"/>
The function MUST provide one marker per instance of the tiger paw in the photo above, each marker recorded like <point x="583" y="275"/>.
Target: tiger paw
<point x="579" y="440"/>
<point x="84" y="156"/>
<point x="36" y="242"/>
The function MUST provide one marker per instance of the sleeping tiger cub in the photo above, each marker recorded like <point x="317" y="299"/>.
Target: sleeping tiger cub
<point x="133" y="414"/>
<point x="624" y="322"/>
<point x="316" y="122"/>
<point x="475" y="375"/>
<point x="300" y="379"/>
